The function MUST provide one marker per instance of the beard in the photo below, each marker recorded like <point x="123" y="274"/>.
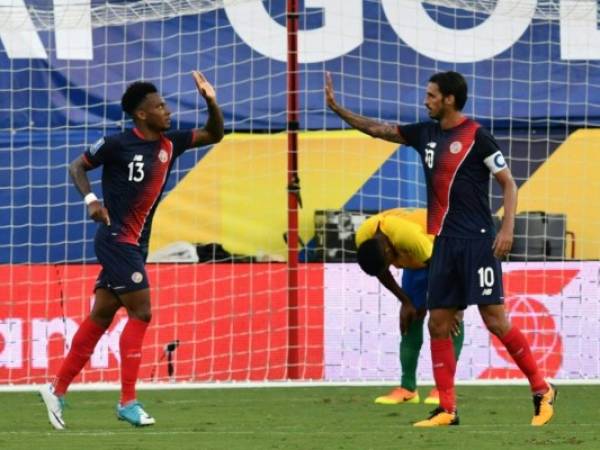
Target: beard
<point x="434" y="116"/>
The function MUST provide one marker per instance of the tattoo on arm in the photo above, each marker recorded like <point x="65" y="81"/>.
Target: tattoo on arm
<point x="369" y="126"/>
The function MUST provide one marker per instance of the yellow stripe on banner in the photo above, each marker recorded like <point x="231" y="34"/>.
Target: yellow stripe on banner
<point x="568" y="183"/>
<point x="236" y="195"/>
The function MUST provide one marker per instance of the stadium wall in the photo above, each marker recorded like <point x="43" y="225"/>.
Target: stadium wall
<point x="238" y="331"/>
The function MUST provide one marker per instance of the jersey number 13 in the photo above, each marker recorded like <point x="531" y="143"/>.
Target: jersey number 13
<point x="136" y="169"/>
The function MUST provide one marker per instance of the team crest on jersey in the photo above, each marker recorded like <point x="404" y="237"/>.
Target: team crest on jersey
<point x="137" y="277"/>
<point x="163" y="156"/>
<point x="455" y="147"/>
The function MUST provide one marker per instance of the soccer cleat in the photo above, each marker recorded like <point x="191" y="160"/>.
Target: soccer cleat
<point x="439" y="418"/>
<point x="134" y="414"/>
<point x="55" y="406"/>
<point x="544" y="406"/>
<point x="397" y="396"/>
<point x="433" y="398"/>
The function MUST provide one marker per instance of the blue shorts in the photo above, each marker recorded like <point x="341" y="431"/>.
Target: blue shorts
<point x="122" y="264"/>
<point x="464" y="272"/>
<point x="414" y="283"/>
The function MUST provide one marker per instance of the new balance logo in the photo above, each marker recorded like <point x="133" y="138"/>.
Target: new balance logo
<point x="487" y="291"/>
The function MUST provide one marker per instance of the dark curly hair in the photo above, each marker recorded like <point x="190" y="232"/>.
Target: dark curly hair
<point x="452" y="83"/>
<point x="135" y="94"/>
<point x="371" y="257"/>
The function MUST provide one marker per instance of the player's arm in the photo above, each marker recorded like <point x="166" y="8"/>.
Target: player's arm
<point x="213" y="130"/>
<point x="387" y="279"/>
<point x="408" y="312"/>
<point x="78" y="171"/>
<point x="368" y="126"/>
<point x="504" y="238"/>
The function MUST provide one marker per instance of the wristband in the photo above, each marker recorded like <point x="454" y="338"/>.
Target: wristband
<point x="90" y="198"/>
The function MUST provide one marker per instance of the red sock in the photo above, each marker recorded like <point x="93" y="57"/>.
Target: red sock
<point x="444" y="367"/>
<point x="519" y="349"/>
<point x="130" y="346"/>
<point x="82" y="347"/>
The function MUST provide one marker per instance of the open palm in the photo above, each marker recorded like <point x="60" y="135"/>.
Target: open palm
<point x="204" y="87"/>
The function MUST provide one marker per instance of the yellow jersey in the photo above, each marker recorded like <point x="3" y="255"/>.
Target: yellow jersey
<point x="406" y="230"/>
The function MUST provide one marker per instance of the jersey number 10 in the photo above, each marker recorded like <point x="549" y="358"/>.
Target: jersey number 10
<point x="486" y="276"/>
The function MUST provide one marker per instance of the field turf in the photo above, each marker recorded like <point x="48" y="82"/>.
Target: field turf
<point x="492" y="418"/>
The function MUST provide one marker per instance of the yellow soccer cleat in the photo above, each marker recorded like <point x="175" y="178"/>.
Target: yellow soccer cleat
<point x="433" y="398"/>
<point x="397" y="396"/>
<point x="544" y="406"/>
<point x="439" y="418"/>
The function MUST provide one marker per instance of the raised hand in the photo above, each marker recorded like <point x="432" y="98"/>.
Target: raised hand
<point x="204" y="87"/>
<point x="329" y="92"/>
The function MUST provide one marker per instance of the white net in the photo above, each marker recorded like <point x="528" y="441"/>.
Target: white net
<point x="64" y="65"/>
<point x="522" y="82"/>
<point x="224" y="295"/>
<point x="49" y="15"/>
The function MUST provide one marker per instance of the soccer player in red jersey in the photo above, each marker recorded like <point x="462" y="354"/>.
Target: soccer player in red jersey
<point x="136" y="164"/>
<point x="458" y="155"/>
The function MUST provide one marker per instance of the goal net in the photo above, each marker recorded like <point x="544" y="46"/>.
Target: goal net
<point x="219" y="277"/>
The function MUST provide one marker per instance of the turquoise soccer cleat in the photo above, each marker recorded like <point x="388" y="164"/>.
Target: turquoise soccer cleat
<point x="134" y="414"/>
<point x="55" y="406"/>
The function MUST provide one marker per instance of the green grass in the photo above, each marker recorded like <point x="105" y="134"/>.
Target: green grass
<point x="493" y="417"/>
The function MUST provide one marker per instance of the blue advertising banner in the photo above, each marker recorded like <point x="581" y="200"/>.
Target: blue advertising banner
<point x="60" y="92"/>
<point x="523" y="72"/>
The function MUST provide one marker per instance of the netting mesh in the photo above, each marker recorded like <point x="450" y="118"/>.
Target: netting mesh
<point x="228" y="203"/>
<point x="118" y="13"/>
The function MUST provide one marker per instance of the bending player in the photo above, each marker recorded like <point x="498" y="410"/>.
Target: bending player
<point x="397" y="237"/>
<point x="458" y="155"/>
<point x="136" y="164"/>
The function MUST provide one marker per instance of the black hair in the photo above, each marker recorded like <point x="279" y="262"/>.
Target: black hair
<point x="135" y="95"/>
<point x="452" y="83"/>
<point x="371" y="257"/>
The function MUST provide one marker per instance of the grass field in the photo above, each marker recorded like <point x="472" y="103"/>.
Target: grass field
<point x="492" y="417"/>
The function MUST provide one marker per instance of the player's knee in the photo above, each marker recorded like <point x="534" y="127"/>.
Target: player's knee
<point x="144" y="316"/>
<point x="497" y="327"/>
<point x="438" y="327"/>
<point x="421" y="313"/>
<point x="102" y="316"/>
<point x="141" y="312"/>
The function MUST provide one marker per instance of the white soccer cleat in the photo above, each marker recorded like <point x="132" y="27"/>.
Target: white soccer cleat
<point x="134" y="414"/>
<point x="55" y="406"/>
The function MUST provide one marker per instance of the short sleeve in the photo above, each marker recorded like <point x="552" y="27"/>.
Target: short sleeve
<point x="486" y="144"/>
<point x="366" y="230"/>
<point x="181" y="139"/>
<point x="412" y="134"/>
<point x="100" y="152"/>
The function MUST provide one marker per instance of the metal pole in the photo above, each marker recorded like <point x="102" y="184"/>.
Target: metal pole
<point x="293" y="360"/>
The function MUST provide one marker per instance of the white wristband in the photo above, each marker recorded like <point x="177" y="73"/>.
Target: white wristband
<point x="90" y="198"/>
